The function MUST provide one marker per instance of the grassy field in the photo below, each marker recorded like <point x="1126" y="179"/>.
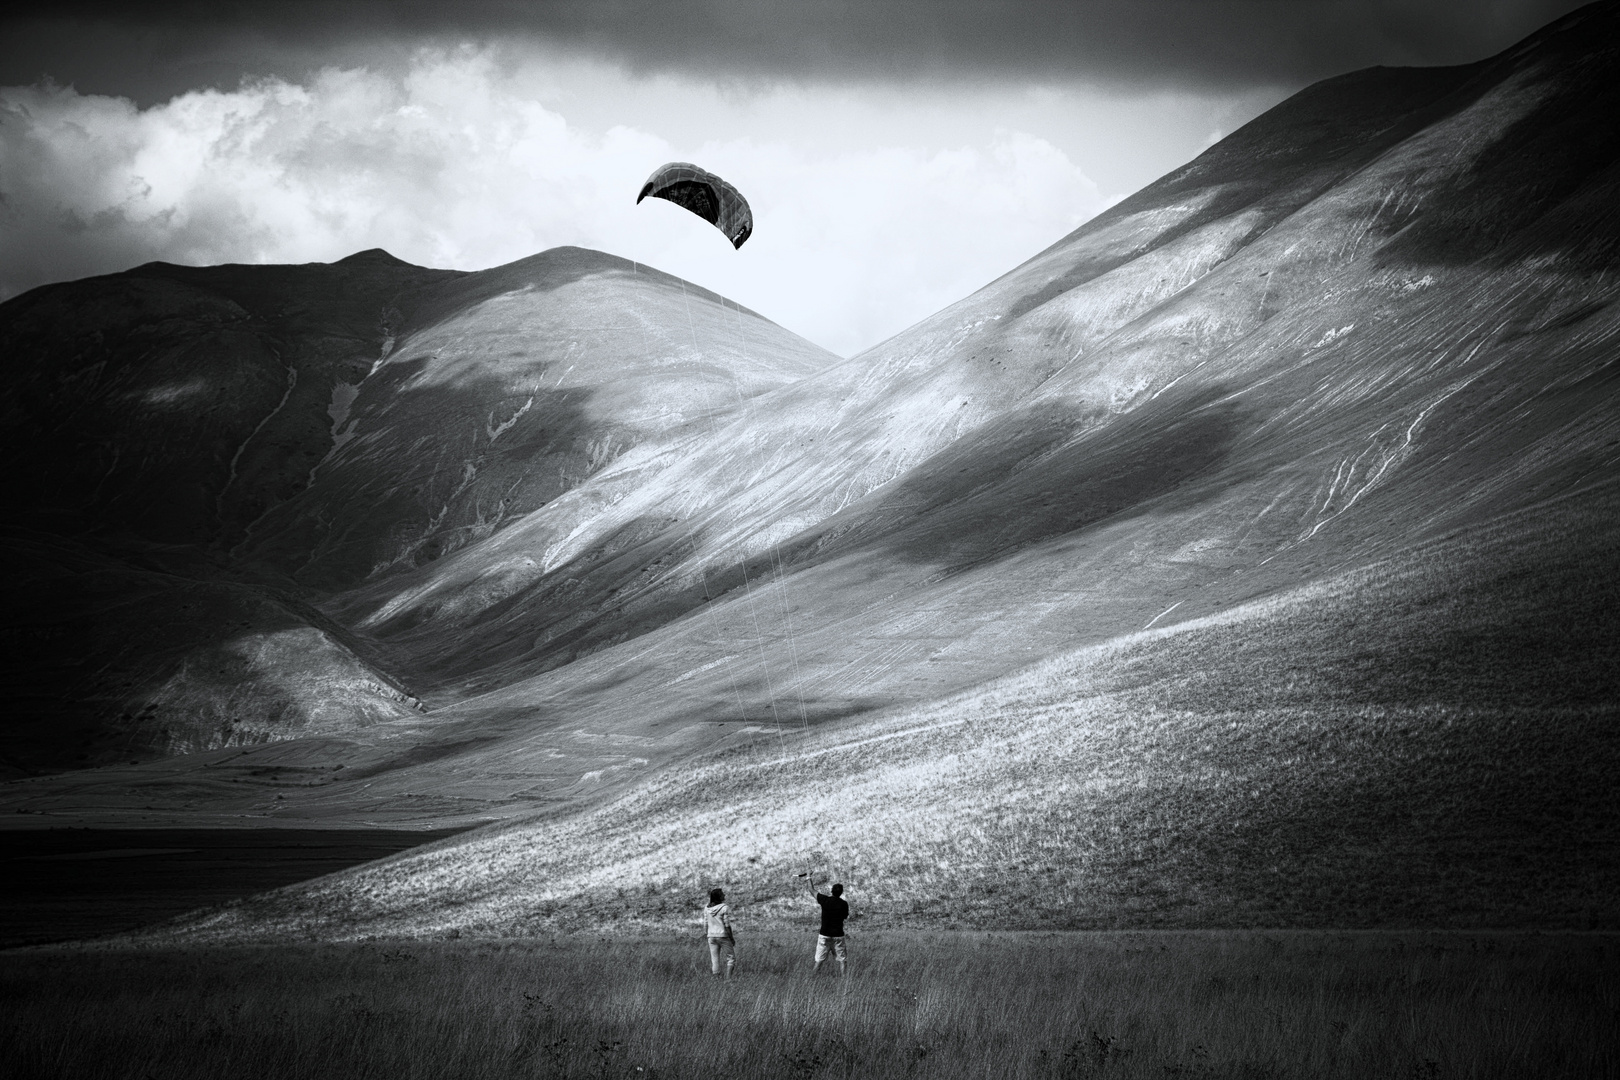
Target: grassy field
<point x="1156" y="1004"/>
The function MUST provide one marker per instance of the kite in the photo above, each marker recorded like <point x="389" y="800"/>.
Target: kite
<point x="706" y="195"/>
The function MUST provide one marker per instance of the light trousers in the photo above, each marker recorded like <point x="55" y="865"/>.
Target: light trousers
<point x="717" y="946"/>
<point x="825" y="945"/>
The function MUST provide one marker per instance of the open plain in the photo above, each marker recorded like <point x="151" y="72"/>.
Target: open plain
<point x="1026" y="1006"/>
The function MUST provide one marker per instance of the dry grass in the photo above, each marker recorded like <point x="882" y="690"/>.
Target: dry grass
<point x="915" y="1005"/>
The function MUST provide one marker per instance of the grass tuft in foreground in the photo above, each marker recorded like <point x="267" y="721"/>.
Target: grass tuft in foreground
<point x="1177" y="1004"/>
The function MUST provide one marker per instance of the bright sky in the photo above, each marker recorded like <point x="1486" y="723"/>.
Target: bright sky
<point x="879" y="196"/>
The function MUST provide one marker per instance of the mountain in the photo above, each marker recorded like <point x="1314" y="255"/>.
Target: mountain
<point x="201" y="456"/>
<point x="1246" y="557"/>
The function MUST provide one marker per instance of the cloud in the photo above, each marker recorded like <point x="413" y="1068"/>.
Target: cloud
<point x="1203" y="44"/>
<point x="152" y="50"/>
<point x="453" y="161"/>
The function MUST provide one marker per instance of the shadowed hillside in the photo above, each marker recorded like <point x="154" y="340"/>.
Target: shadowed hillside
<point x="1252" y="529"/>
<point x="200" y="455"/>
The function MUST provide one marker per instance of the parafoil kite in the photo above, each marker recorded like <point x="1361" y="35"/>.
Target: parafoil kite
<point x="705" y="194"/>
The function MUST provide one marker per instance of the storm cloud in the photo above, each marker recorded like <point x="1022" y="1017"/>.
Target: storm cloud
<point x="898" y="153"/>
<point x="455" y="163"/>
<point x="150" y="51"/>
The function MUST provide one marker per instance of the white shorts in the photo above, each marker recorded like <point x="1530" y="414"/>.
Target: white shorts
<point x="825" y="945"/>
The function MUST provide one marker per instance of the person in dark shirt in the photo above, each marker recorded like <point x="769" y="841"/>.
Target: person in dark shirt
<point x="834" y="910"/>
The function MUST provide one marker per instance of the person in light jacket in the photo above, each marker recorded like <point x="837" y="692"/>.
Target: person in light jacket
<point x="722" y="938"/>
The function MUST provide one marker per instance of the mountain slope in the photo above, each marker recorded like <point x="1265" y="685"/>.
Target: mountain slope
<point x="199" y="455"/>
<point x="1376" y="749"/>
<point x="1252" y="370"/>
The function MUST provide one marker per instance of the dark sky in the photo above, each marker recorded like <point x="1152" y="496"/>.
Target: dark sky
<point x="152" y="51"/>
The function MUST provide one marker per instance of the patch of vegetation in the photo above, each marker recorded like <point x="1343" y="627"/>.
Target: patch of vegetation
<point x="1060" y="1006"/>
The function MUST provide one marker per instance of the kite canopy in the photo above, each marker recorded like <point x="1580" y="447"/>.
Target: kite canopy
<point x="705" y="194"/>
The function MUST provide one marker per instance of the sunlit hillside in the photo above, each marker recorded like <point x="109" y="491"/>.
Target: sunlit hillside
<point x="1399" y="745"/>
